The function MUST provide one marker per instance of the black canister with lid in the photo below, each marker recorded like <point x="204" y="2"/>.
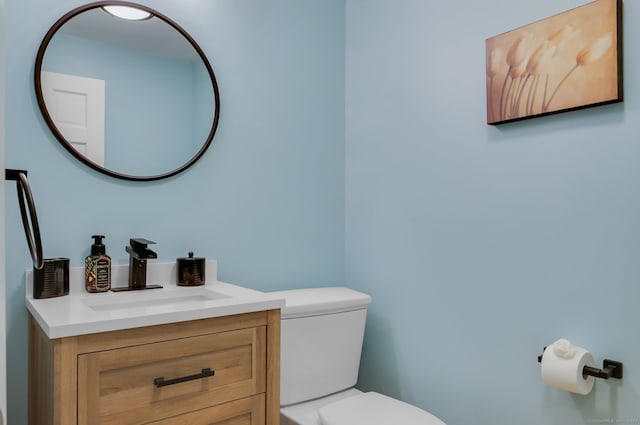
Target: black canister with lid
<point x="191" y="271"/>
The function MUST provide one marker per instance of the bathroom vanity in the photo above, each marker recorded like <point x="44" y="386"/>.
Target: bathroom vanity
<point x="177" y="355"/>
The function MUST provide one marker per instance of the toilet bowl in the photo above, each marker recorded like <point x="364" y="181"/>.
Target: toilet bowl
<point x="322" y="330"/>
<point x="353" y="407"/>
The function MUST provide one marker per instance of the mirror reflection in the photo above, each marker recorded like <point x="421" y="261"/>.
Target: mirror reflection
<point x="132" y="97"/>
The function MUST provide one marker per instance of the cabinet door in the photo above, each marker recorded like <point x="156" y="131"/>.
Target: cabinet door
<point x="248" y="411"/>
<point x="123" y="387"/>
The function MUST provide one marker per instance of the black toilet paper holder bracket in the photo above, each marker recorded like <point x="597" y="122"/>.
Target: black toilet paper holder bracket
<point x="610" y="369"/>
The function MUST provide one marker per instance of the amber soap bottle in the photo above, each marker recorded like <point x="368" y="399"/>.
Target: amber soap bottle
<point x="98" y="267"/>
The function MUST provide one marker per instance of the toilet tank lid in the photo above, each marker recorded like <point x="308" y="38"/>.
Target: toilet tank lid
<point x="319" y="301"/>
<point x="374" y="409"/>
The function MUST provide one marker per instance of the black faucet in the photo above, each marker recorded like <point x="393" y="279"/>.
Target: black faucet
<point x="139" y="254"/>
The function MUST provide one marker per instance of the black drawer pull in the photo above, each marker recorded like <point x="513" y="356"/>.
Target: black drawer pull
<point x="160" y="382"/>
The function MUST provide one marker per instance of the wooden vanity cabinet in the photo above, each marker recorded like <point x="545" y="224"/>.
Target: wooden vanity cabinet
<point x="223" y="370"/>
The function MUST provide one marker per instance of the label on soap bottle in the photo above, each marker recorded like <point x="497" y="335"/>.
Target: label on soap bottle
<point x="98" y="274"/>
<point x="103" y="274"/>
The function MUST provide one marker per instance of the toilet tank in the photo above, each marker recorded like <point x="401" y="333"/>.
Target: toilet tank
<point x="322" y="332"/>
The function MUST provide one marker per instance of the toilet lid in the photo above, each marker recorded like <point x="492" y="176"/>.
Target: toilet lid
<point x="375" y="409"/>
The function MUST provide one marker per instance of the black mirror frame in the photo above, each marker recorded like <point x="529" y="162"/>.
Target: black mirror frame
<point x="47" y="117"/>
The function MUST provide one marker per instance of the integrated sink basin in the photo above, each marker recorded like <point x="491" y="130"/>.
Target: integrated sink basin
<point x="149" y="299"/>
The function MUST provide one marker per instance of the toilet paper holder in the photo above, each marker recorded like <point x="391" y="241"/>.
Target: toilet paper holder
<point x="610" y="369"/>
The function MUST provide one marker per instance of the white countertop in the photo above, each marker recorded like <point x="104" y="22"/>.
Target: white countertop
<point x="82" y="313"/>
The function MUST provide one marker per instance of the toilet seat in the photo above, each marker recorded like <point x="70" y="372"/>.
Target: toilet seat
<point x="375" y="409"/>
<point x="306" y="413"/>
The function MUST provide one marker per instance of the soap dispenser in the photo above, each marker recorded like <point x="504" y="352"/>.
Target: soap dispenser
<point x="98" y="267"/>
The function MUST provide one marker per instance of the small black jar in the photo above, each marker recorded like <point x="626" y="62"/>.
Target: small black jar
<point x="191" y="271"/>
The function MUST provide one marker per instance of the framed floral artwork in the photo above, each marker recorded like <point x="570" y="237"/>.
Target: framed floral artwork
<point x="568" y="61"/>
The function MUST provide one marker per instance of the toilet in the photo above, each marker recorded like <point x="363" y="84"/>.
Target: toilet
<point x="322" y="332"/>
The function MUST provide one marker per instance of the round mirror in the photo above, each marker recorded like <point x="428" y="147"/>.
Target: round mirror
<point x="126" y="90"/>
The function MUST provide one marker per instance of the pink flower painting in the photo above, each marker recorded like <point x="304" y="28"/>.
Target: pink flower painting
<point x="568" y="61"/>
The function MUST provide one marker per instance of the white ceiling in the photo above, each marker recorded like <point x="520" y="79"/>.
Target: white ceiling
<point x="152" y="36"/>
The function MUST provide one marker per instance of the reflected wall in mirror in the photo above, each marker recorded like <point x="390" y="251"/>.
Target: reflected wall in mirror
<point x="134" y="99"/>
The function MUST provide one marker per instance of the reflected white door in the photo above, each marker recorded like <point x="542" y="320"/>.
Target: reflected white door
<point x="76" y="105"/>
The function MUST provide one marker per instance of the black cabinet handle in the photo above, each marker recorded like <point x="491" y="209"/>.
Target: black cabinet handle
<point x="160" y="382"/>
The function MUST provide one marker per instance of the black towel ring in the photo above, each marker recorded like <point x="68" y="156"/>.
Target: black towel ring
<point x="33" y="238"/>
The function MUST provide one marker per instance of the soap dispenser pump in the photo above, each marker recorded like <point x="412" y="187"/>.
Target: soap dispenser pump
<point x="98" y="267"/>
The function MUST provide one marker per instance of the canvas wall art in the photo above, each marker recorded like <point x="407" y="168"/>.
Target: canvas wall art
<point x="569" y="61"/>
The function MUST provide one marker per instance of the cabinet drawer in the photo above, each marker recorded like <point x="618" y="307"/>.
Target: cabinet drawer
<point x="117" y="386"/>
<point x="248" y="411"/>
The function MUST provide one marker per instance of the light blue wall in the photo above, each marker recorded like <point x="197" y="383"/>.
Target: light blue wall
<point x="479" y="244"/>
<point x="267" y="200"/>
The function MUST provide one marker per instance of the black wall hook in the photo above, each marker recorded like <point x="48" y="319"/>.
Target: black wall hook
<point x="11" y="174"/>
<point x="610" y="369"/>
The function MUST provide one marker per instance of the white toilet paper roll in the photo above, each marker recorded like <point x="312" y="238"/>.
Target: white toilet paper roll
<point x="562" y="368"/>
